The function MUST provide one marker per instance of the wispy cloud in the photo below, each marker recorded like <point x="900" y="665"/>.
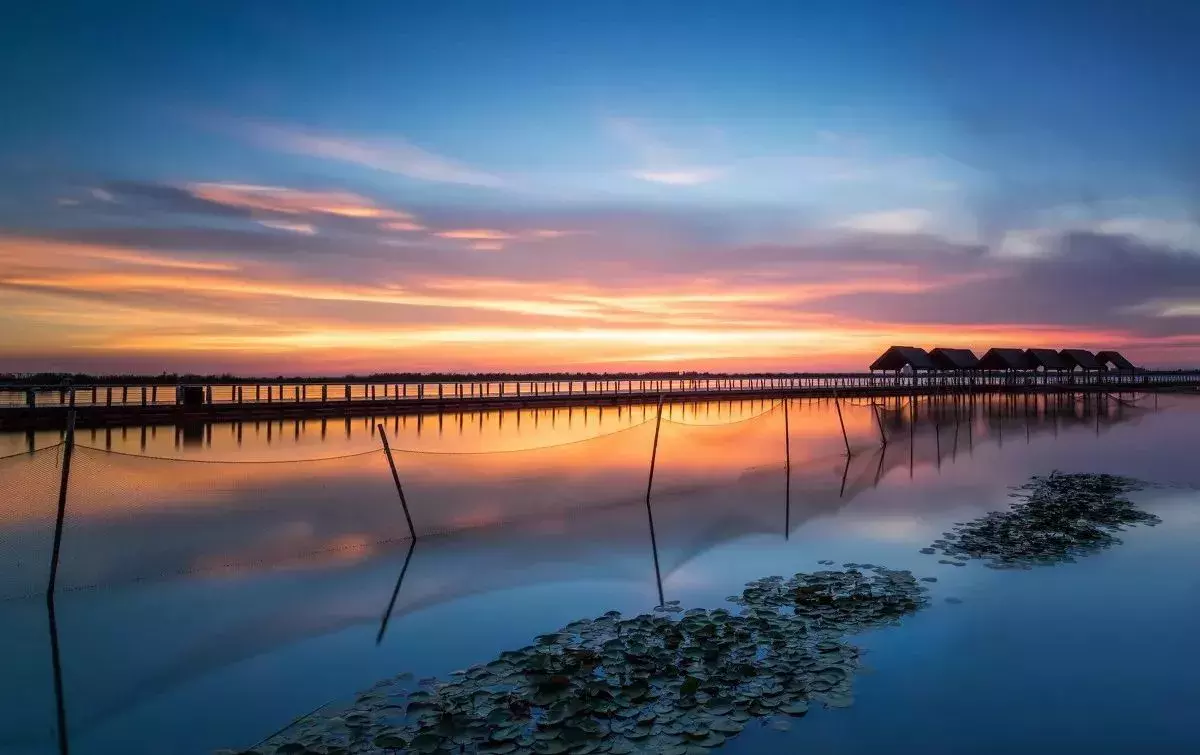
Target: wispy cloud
<point x="402" y="225"/>
<point x="689" y="177"/>
<point x="278" y="199"/>
<point x="904" y="221"/>
<point x="661" y="163"/>
<point x="307" y="229"/>
<point x="476" y="234"/>
<point x="392" y="155"/>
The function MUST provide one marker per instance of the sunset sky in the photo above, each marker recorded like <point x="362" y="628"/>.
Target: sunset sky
<point x="308" y="188"/>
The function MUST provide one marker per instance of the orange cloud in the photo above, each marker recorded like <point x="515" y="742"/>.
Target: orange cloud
<point x="294" y="201"/>
<point x="114" y="300"/>
<point x="401" y="225"/>
<point x="476" y="234"/>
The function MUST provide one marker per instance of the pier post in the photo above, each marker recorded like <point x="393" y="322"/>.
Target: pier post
<point x="387" y="450"/>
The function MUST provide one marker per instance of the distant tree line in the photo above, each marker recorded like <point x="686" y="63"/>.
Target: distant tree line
<point x="172" y="378"/>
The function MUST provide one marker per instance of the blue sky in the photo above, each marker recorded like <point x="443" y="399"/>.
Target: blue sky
<point x="994" y="125"/>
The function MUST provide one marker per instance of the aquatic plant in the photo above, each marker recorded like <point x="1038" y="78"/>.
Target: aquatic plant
<point x="1059" y="517"/>
<point x="678" y="685"/>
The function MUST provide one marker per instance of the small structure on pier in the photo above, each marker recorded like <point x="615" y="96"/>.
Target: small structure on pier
<point x="1114" y="360"/>
<point x="1046" y="360"/>
<point x="1080" y="359"/>
<point x="954" y="359"/>
<point x="897" y="358"/>
<point x="1004" y="359"/>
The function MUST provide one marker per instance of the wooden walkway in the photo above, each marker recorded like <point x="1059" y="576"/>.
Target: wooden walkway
<point x="38" y="407"/>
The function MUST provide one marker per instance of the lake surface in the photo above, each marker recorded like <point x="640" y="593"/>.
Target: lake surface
<point x="219" y="581"/>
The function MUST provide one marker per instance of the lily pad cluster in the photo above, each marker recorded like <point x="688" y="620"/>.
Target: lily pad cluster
<point x="1058" y="518"/>
<point x="662" y="682"/>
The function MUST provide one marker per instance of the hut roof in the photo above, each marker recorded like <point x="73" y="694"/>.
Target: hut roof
<point x="1048" y="359"/>
<point x="1004" y="359"/>
<point x="1114" y="358"/>
<point x="899" y="357"/>
<point x="1079" y="358"/>
<point x="954" y="359"/>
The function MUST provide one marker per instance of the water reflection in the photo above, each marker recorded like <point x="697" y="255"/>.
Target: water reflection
<point x="291" y="572"/>
<point x="138" y="515"/>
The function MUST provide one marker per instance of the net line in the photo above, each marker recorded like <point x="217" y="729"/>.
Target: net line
<point x="31" y="452"/>
<point x="422" y="451"/>
<point x="186" y="460"/>
<point x="763" y="413"/>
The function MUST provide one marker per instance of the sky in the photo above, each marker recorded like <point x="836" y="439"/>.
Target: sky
<point x="323" y="188"/>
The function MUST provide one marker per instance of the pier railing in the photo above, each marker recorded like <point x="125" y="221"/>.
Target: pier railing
<point x="317" y="392"/>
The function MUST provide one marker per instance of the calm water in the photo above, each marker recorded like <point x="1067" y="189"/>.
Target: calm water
<point x="215" y="586"/>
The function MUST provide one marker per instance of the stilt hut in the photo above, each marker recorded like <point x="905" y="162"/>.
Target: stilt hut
<point x="1009" y="361"/>
<point x="1046" y="361"/>
<point x="899" y="359"/>
<point x="1080" y="359"/>
<point x="1114" y="360"/>
<point x="954" y="359"/>
<point x="961" y="364"/>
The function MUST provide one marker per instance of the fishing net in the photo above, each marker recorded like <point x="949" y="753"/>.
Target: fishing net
<point x="720" y="469"/>
<point x="29" y="484"/>
<point x="131" y="516"/>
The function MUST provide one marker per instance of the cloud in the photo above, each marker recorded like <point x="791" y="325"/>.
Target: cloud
<point x="890" y="221"/>
<point x="103" y="195"/>
<point x="393" y="155"/>
<point x="688" y="177"/>
<point x="402" y="225"/>
<point x="481" y="234"/>
<point x="662" y="163"/>
<point x="306" y="229"/>
<point x="622" y="278"/>
<point x="278" y="199"/>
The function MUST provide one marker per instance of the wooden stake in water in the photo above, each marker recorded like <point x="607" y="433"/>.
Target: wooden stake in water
<point x="649" y="511"/>
<point x="68" y="448"/>
<point x="60" y="703"/>
<point x="787" y="471"/>
<point x="837" y="405"/>
<point x="396" y="477"/>
<point x="879" y="421"/>
<point x="387" y="614"/>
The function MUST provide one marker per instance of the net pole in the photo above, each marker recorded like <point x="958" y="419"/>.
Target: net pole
<point x="68" y="448"/>
<point x="60" y="705"/>
<point x="387" y="614"/>
<point x="787" y="471"/>
<point x="649" y="511"/>
<point x="387" y="450"/>
<point x="879" y="421"/>
<point x="845" y="438"/>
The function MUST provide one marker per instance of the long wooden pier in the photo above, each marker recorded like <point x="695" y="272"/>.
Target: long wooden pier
<point x="25" y="407"/>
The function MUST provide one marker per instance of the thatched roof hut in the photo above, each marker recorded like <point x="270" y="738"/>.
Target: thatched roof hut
<point x="954" y="359"/>
<point x="1004" y="359"/>
<point x="898" y="357"/>
<point x="1047" y="359"/>
<point x="1114" y="360"/>
<point x="1080" y="358"/>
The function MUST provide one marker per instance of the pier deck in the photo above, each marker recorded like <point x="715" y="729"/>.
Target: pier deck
<point x="37" y="407"/>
